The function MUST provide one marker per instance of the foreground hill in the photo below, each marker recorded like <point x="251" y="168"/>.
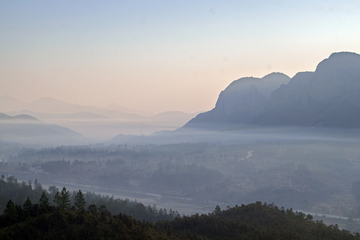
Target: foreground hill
<point x="258" y="221"/>
<point x="328" y="97"/>
<point x="56" y="214"/>
<point x="70" y="224"/>
<point x="253" y="221"/>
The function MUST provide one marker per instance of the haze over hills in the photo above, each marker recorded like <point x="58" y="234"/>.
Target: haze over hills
<point x="29" y="130"/>
<point x="328" y="97"/>
<point x="48" y="107"/>
<point x="57" y="116"/>
<point x="173" y="116"/>
<point x="99" y="124"/>
<point x="299" y="169"/>
<point x="54" y="106"/>
<point x="117" y="107"/>
<point x="18" y="118"/>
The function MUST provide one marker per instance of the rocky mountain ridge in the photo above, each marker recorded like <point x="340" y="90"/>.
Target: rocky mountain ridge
<point x="328" y="97"/>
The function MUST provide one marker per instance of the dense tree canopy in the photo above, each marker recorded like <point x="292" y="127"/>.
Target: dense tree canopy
<point x="18" y="192"/>
<point x="253" y="221"/>
<point x="106" y="217"/>
<point x="257" y="221"/>
<point x="80" y="201"/>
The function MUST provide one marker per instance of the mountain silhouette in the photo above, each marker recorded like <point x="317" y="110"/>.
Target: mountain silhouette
<point x="29" y="130"/>
<point x="241" y="101"/>
<point x="328" y="97"/>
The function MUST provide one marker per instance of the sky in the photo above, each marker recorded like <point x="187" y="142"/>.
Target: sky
<point x="158" y="56"/>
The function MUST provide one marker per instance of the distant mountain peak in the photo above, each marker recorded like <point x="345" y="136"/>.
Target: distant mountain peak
<point x="26" y="129"/>
<point x="4" y="116"/>
<point x="25" y="117"/>
<point x="21" y="117"/>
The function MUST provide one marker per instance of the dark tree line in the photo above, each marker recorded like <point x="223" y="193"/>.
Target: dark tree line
<point x="14" y="213"/>
<point x="39" y="221"/>
<point x="19" y="192"/>
<point x="255" y="221"/>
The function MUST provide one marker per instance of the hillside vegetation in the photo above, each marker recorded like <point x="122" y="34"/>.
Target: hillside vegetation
<point x="72" y="220"/>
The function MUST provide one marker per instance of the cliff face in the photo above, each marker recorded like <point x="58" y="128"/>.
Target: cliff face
<point x="328" y="97"/>
<point x="242" y="100"/>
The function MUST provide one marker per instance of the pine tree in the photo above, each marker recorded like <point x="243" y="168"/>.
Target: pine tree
<point x="37" y="185"/>
<point x="57" y="199"/>
<point x="28" y="206"/>
<point x="10" y="212"/>
<point x="217" y="210"/>
<point x="80" y="201"/>
<point x="65" y="199"/>
<point x="92" y="208"/>
<point x="44" y="200"/>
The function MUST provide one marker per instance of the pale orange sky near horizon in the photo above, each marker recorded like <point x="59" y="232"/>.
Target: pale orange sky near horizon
<point x="162" y="55"/>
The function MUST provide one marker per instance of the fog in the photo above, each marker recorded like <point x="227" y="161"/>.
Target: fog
<point x="93" y="124"/>
<point x="313" y="171"/>
<point x="288" y="147"/>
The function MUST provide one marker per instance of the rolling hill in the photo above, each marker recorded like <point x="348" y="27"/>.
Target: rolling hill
<point x="27" y="129"/>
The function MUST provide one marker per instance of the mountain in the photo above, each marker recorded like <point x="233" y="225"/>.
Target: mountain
<point x="29" y="130"/>
<point x="101" y="124"/>
<point x="54" y="106"/>
<point x="51" y="105"/>
<point x="18" y="118"/>
<point x="328" y="97"/>
<point x="10" y="104"/>
<point x="54" y="116"/>
<point x="242" y="100"/>
<point x="281" y="109"/>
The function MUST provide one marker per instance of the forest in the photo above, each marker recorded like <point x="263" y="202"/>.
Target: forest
<point x="319" y="176"/>
<point x="67" y="220"/>
<point x="21" y="192"/>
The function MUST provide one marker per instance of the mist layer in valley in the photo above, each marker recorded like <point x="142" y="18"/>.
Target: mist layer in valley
<point x="308" y="174"/>
<point x="293" y="142"/>
<point x="89" y="124"/>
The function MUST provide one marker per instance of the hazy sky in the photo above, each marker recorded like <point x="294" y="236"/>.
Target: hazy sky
<point x="163" y="55"/>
